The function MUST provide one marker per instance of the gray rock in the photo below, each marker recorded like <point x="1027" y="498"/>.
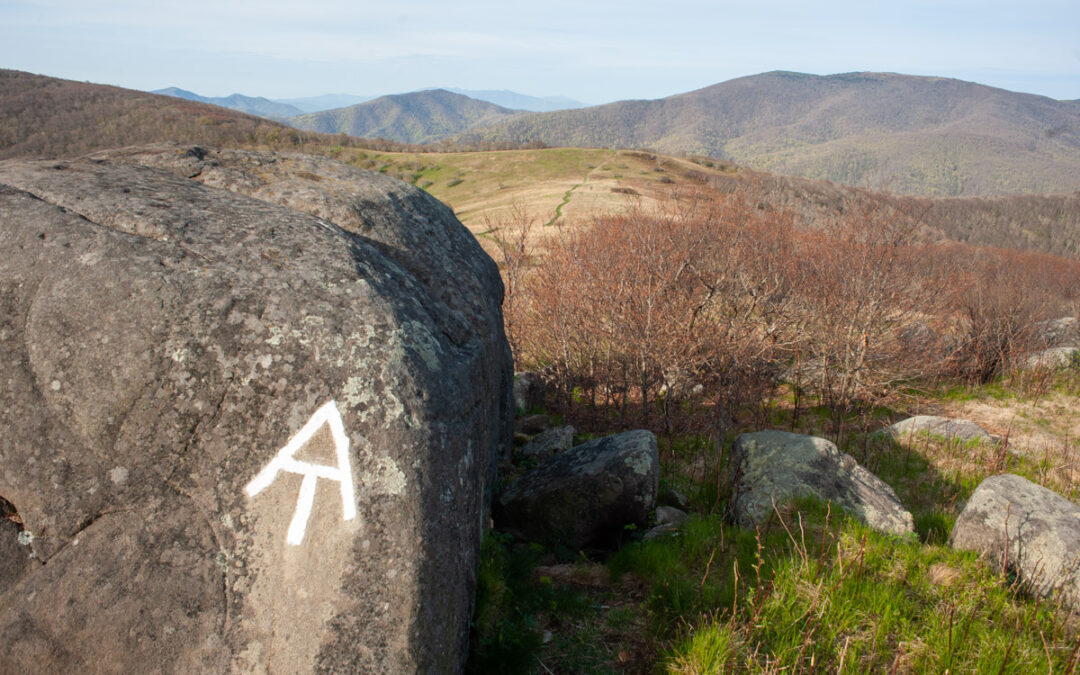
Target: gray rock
<point x="661" y="531"/>
<point x="532" y="424"/>
<point x="1059" y="332"/>
<point x="1052" y="358"/>
<point x="773" y="467"/>
<point x="528" y="390"/>
<point x="586" y="495"/>
<point x="669" y="521"/>
<point x="669" y="515"/>
<point x="940" y="427"/>
<point x="161" y="341"/>
<point x="1031" y="530"/>
<point x="549" y="443"/>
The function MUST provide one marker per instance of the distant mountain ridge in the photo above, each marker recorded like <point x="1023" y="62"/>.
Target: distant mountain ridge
<point x="288" y="107"/>
<point x="324" y="102"/>
<point x="263" y="107"/>
<point x="417" y="117"/>
<point x="905" y="133"/>
<point x="515" y="101"/>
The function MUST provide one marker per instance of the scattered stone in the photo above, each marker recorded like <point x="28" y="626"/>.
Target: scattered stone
<point x="941" y="427"/>
<point x="669" y="520"/>
<point x="192" y="332"/>
<point x="1059" y="332"/>
<point x="586" y="495"/>
<point x="773" y="467"/>
<point x="660" y="531"/>
<point x="681" y="384"/>
<point x="549" y="443"/>
<point x="1023" y="526"/>
<point x="672" y="497"/>
<point x="1053" y="358"/>
<point x="528" y="390"/>
<point x="668" y="514"/>
<point x="532" y="424"/>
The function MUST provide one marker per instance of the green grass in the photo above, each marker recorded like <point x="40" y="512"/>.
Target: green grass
<point x="813" y="590"/>
<point x="506" y="633"/>
<point x="823" y="589"/>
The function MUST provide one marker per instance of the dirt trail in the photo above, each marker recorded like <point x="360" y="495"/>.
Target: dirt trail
<point x="570" y="192"/>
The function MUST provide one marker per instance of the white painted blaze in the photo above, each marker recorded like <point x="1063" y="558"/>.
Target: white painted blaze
<point x="285" y="460"/>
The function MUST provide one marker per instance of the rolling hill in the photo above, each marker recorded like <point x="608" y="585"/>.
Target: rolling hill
<point x="418" y="117"/>
<point x="263" y="107"/>
<point x="49" y="117"/>
<point x="905" y="133"/>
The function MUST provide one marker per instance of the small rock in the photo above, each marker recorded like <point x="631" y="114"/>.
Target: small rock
<point x="532" y="424"/>
<point x="665" y="530"/>
<point x="1059" y="332"/>
<point x="773" y="467"/>
<point x="528" y="390"/>
<point x="549" y="443"/>
<point x="588" y="494"/>
<point x="935" y="426"/>
<point x="669" y="514"/>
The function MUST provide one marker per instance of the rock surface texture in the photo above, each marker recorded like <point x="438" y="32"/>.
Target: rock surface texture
<point x="774" y="467"/>
<point x="249" y="429"/>
<point x="942" y="427"/>
<point x="586" y="495"/>
<point x="1031" y="530"/>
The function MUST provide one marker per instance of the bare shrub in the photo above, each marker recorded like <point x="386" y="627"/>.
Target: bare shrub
<point x="646" y="315"/>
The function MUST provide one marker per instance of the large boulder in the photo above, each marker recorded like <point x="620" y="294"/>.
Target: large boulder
<point x="238" y="437"/>
<point x="1023" y="526"/>
<point x="933" y="426"/>
<point x="771" y="468"/>
<point x="588" y="494"/>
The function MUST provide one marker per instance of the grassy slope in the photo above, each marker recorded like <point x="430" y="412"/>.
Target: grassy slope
<point x="484" y="188"/>
<point x="913" y="134"/>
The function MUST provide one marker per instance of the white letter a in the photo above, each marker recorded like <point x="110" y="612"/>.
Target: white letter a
<point x="284" y="461"/>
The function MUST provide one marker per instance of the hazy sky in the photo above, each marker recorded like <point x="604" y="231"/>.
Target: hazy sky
<point x="591" y="50"/>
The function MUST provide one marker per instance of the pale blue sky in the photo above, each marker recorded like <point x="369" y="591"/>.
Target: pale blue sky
<point x="591" y="50"/>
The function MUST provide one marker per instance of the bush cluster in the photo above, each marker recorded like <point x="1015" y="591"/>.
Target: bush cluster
<point x="697" y="315"/>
